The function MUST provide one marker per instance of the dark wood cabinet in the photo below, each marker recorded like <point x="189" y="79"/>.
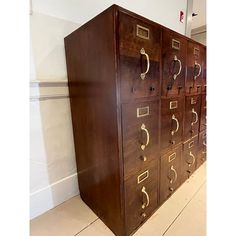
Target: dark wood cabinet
<point x="128" y="80"/>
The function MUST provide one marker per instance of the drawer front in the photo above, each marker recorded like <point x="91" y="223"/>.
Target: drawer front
<point x="170" y="173"/>
<point x="191" y="116"/>
<point x="193" y="83"/>
<point x="139" y="58"/>
<point x="202" y="149"/>
<point x="140" y="136"/>
<point x="141" y="198"/>
<point x="140" y="146"/>
<point x="174" y="49"/>
<point x="189" y="158"/>
<point x="171" y="122"/>
<point x="203" y="121"/>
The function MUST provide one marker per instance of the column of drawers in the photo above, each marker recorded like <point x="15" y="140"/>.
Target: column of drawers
<point x="174" y="49"/>
<point x="139" y="64"/>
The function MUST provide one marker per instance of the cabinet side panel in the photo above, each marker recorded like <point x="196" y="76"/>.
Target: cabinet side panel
<point x="90" y="55"/>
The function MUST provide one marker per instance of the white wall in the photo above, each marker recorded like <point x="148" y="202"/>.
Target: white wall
<point x="199" y="7"/>
<point x="52" y="159"/>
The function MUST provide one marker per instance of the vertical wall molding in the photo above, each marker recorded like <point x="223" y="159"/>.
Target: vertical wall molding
<point x="188" y="25"/>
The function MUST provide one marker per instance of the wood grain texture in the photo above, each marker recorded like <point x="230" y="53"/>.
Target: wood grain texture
<point x="191" y="119"/>
<point x="195" y="54"/>
<point x="170" y="176"/>
<point x="132" y="63"/>
<point x="189" y="158"/>
<point x="169" y="141"/>
<point x="170" y="86"/>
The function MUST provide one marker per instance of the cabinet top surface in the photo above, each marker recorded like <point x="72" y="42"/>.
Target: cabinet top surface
<point x="117" y="9"/>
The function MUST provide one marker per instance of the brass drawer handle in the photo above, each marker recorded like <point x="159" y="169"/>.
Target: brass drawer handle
<point x="177" y="125"/>
<point x="143" y="127"/>
<point x="196" y="117"/>
<point x="190" y="154"/>
<point x="200" y="69"/>
<point x="142" y="75"/>
<point x="176" y="175"/>
<point x="180" y="67"/>
<point x="147" y="197"/>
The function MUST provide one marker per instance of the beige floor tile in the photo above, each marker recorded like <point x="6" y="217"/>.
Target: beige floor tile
<point x="192" y="221"/>
<point x="98" y="228"/>
<point x="66" y="219"/>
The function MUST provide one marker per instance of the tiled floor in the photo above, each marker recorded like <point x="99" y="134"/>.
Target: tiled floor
<point x="184" y="214"/>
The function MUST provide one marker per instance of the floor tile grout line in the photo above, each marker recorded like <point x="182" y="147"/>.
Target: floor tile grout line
<point x="86" y="227"/>
<point x="183" y="208"/>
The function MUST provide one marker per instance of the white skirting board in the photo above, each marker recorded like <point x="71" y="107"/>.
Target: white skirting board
<point x="49" y="197"/>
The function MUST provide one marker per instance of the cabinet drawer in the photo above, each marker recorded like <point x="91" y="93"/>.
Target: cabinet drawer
<point x="203" y="120"/>
<point x="174" y="48"/>
<point x="193" y="83"/>
<point x="140" y="135"/>
<point x="139" y="147"/>
<point x="141" y="198"/>
<point x="139" y="59"/>
<point x="135" y="34"/>
<point x="189" y="158"/>
<point x="202" y="149"/>
<point x="171" y="122"/>
<point x="192" y="116"/>
<point x="170" y="173"/>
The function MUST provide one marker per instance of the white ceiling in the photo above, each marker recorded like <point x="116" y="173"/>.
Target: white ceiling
<point x="199" y="7"/>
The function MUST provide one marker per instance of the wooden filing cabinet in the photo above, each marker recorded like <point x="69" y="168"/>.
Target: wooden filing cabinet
<point x="131" y="114"/>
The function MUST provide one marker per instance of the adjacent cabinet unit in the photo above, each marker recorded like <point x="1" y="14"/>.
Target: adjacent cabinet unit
<point x="138" y="104"/>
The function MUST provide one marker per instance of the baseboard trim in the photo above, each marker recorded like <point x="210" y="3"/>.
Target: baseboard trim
<point x="56" y="193"/>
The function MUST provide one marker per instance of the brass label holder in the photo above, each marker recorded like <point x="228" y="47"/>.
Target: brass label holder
<point x="173" y="105"/>
<point x="142" y="32"/>
<point x="175" y="44"/>
<point x="143" y="176"/>
<point x="172" y="157"/>
<point x="142" y="111"/>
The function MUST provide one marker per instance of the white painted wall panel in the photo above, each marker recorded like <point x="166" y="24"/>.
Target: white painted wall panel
<point x="165" y="12"/>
